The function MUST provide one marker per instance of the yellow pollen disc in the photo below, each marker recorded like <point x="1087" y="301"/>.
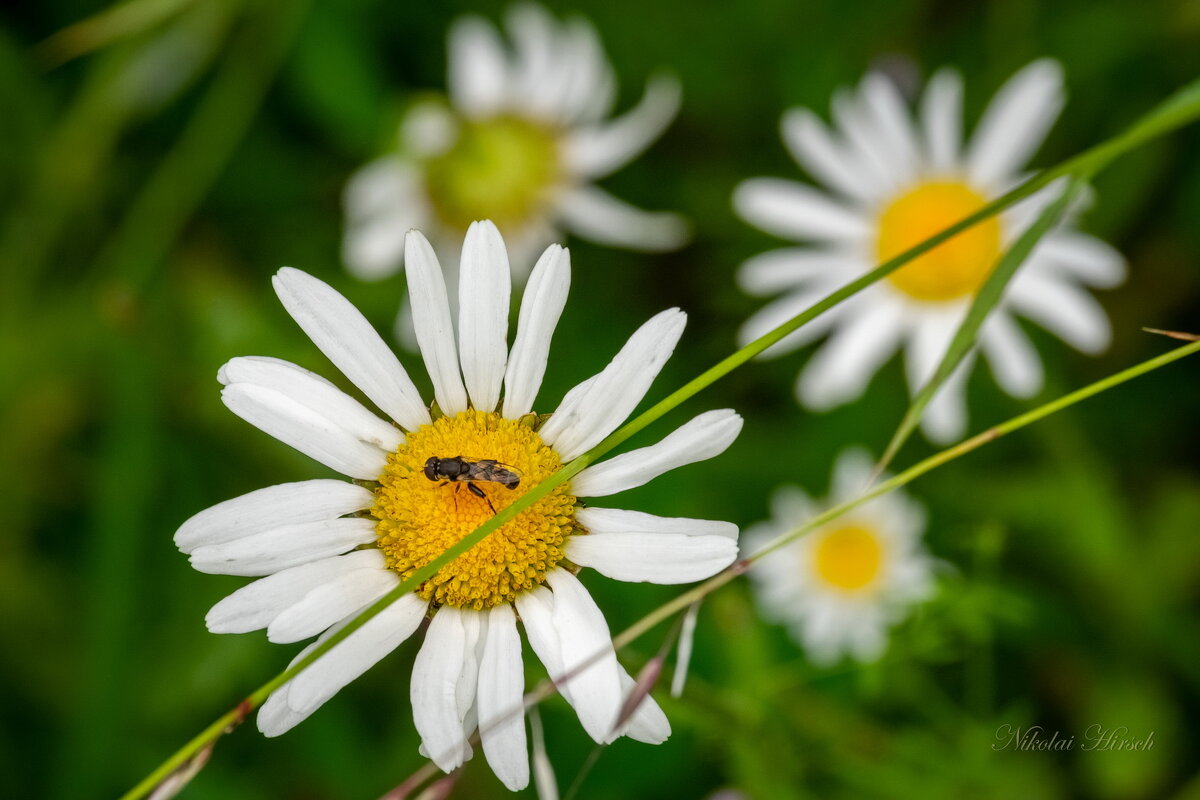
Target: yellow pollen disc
<point x="848" y="558"/>
<point x="953" y="269"/>
<point x="500" y="169"/>
<point x="420" y="518"/>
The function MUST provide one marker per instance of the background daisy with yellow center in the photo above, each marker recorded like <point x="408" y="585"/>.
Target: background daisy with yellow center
<point x="840" y="587"/>
<point x="525" y="135"/>
<point x="325" y="549"/>
<point x="892" y="182"/>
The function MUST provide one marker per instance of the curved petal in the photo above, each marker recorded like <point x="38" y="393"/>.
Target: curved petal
<point x="941" y="120"/>
<point x="485" y="284"/>
<point x="501" y="711"/>
<point x="586" y="417"/>
<point x="665" y="558"/>
<point x="648" y="724"/>
<point x="1065" y="310"/>
<point x="825" y="158"/>
<point x="1083" y="257"/>
<point x="477" y="67"/>
<point x="315" y="393"/>
<point x="431" y="321"/>
<point x="438" y="671"/>
<point x="263" y="509"/>
<point x="945" y="418"/>
<point x="600" y="150"/>
<point x="1011" y="355"/>
<point x="283" y="547"/>
<point x="701" y="438"/>
<point x="545" y="298"/>
<point x="865" y="142"/>
<point x="354" y="655"/>
<point x="842" y="368"/>
<point x="1016" y="122"/>
<point x="536" y="608"/>
<point x="795" y="211"/>
<point x="604" y="521"/>
<point x="793" y="267"/>
<point x="597" y="216"/>
<point x="587" y="655"/>
<point x="590" y="92"/>
<point x="324" y="605"/>
<point x="298" y="426"/>
<point x="782" y="309"/>
<point x="532" y="31"/>
<point x="881" y="100"/>
<point x="343" y="334"/>
<point x="257" y="604"/>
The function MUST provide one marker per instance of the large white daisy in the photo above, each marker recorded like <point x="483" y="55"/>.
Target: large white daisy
<point x="839" y="588"/>
<point x="328" y="548"/>
<point x="890" y="183"/>
<point x="526" y="134"/>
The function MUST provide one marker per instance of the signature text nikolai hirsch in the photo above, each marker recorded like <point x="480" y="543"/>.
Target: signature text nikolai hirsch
<point x="1097" y="738"/>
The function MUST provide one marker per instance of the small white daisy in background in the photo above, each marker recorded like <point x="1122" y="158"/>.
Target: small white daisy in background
<point x="892" y="182"/>
<point x="524" y="137"/>
<point x="329" y="548"/>
<point x="839" y="588"/>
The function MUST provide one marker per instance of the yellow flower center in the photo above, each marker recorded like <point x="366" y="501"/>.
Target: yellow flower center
<point x="419" y="518"/>
<point x="848" y="558"/>
<point x="499" y="169"/>
<point x="953" y="269"/>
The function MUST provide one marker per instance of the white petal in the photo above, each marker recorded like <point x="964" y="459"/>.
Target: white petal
<point x="945" y="418"/>
<point x="927" y="345"/>
<point x="1011" y="356"/>
<point x="485" y="284"/>
<point x="545" y="297"/>
<point x="382" y="200"/>
<point x="852" y="473"/>
<point x="263" y="509"/>
<point x="701" y="438"/>
<point x="533" y="32"/>
<point x="283" y="547"/>
<point x="343" y="334"/>
<point x="893" y="122"/>
<point x="815" y="149"/>
<point x="597" y="216"/>
<point x="598" y="151"/>
<point x="501" y="712"/>
<point x="353" y="656"/>
<point x="586" y="417"/>
<point x="326" y="604"/>
<point x="941" y="119"/>
<point x="255" y="605"/>
<point x="683" y="650"/>
<point x="841" y="370"/>
<point x="588" y="656"/>
<point x="298" y="426"/>
<point x="795" y="211"/>
<point x="437" y="672"/>
<point x="665" y="558"/>
<point x="431" y="321"/>
<point x="1083" y="257"/>
<point x="536" y="608"/>
<point x="1016" y="122"/>
<point x="1065" y="310"/>
<point x="477" y="69"/>
<point x="790" y="267"/>
<point x="783" y="309"/>
<point x="314" y="392"/>
<point x="589" y="93"/>
<point x="866" y="142"/>
<point x="648" y="724"/>
<point x="603" y="521"/>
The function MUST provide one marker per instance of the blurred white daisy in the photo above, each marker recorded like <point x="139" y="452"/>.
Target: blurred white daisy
<point x="328" y="548"/>
<point x="893" y="182"/>
<point x="526" y="134"/>
<point x="839" y="588"/>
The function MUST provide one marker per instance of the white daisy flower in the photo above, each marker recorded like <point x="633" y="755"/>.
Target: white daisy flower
<point x="893" y="182"/>
<point x="839" y="588"/>
<point x="526" y="135"/>
<point x="328" y="548"/>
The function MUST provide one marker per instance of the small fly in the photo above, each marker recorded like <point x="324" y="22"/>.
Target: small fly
<point x="463" y="470"/>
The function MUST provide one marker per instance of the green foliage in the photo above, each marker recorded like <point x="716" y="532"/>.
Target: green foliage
<point x="149" y="188"/>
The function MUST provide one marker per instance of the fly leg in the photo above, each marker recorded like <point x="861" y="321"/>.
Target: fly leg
<point x="475" y="490"/>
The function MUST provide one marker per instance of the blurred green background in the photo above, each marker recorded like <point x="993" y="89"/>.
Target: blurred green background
<point x="149" y="188"/>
